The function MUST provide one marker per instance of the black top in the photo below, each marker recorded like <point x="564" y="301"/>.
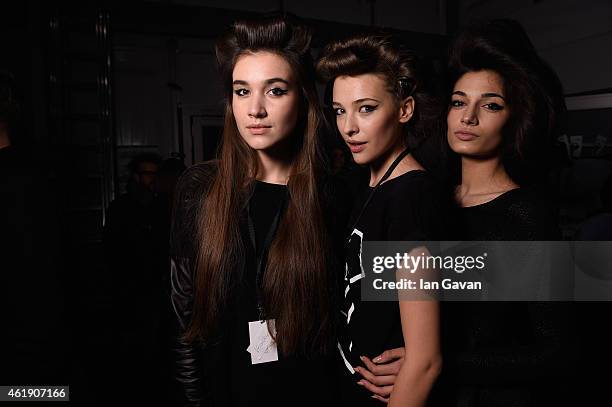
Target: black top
<point x="221" y="373"/>
<point x="405" y="208"/>
<point x="272" y="383"/>
<point x="267" y="199"/>
<point x="518" y="214"/>
<point x="505" y="353"/>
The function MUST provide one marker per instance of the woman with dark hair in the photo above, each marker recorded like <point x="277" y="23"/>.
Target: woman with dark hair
<point x="504" y="112"/>
<point x="505" y="108"/>
<point x="383" y="109"/>
<point x="251" y="281"/>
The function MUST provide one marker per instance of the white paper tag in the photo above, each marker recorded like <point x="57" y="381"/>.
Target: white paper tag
<point x="262" y="347"/>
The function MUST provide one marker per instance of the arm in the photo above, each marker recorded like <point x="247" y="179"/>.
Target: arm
<point x="187" y="200"/>
<point x="420" y="326"/>
<point x="417" y="218"/>
<point x="186" y="366"/>
<point x="420" y="319"/>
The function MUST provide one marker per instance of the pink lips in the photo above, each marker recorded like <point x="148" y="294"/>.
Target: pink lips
<point x="356" y="147"/>
<point x="257" y="129"/>
<point x="465" y="135"/>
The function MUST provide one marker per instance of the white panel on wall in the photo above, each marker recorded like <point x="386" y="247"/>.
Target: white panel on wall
<point x="575" y="37"/>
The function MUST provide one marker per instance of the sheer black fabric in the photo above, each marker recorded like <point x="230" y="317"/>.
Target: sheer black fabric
<point x="507" y="353"/>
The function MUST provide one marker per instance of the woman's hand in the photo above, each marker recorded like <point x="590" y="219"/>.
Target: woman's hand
<point x="380" y="373"/>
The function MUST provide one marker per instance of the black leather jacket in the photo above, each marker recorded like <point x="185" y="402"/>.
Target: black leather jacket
<point x="211" y="387"/>
<point x="188" y="195"/>
<point x="186" y="366"/>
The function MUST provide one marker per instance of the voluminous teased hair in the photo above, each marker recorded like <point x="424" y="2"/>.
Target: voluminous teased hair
<point x="404" y="72"/>
<point x="296" y="286"/>
<point x="532" y="90"/>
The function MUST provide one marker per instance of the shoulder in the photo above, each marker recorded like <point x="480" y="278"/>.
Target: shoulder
<point x="199" y="175"/>
<point x="526" y="202"/>
<point x="413" y="188"/>
<point x="415" y="210"/>
<point x="414" y="178"/>
<point x="195" y="181"/>
<point x="188" y="196"/>
<point x="534" y="211"/>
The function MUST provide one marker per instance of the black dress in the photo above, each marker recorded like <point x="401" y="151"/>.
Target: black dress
<point x="518" y="214"/>
<point x="221" y="373"/>
<point x="506" y="353"/>
<point x="405" y="208"/>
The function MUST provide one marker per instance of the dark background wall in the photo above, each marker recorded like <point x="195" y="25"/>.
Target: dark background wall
<point x="103" y="82"/>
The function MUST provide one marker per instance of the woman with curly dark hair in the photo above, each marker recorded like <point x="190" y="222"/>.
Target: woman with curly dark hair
<point x="252" y="285"/>
<point x="505" y="108"/>
<point x="384" y="108"/>
<point x="505" y="111"/>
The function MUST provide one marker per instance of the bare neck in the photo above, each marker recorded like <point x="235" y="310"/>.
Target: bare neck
<point x="379" y="167"/>
<point x="274" y="168"/>
<point x="482" y="180"/>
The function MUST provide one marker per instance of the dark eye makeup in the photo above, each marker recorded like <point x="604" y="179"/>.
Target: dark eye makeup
<point x="278" y="91"/>
<point x="367" y="108"/>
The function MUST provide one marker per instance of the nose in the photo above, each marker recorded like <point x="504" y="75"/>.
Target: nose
<point x="349" y="127"/>
<point x="257" y="108"/>
<point x="469" y="118"/>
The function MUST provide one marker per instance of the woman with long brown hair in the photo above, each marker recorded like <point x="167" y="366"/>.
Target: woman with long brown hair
<point x="252" y="287"/>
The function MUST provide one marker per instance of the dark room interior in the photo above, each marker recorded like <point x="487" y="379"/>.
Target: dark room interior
<point x="98" y="94"/>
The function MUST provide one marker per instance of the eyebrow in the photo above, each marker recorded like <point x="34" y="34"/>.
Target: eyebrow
<point x="485" y="95"/>
<point x="358" y="101"/>
<point x="267" y="81"/>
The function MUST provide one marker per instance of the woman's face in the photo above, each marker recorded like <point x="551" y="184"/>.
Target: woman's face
<point x="368" y="116"/>
<point x="265" y="99"/>
<point x="477" y="114"/>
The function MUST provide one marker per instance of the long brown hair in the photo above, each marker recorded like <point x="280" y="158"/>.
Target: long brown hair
<point x="296" y="286"/>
